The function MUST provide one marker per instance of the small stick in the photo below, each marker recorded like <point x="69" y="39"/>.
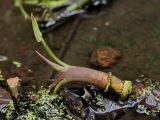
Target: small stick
<point x="69" y="38"/>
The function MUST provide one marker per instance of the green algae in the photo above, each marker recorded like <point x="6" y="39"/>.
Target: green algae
<point x="45" y="107"/>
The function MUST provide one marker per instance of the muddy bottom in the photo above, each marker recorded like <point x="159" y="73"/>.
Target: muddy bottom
<point x="132" y="27"/>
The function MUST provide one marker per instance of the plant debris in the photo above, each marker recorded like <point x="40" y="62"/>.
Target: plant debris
<point x="17" y="64"/>
<point x="1" y="76"/>
<point x="3" y="58"/>
<point x="70" y="105"/>
<point x="151" y="96"/>
<point x="14" y="86"/>
<point x="54" y="12"/>
<point x="4" y="98"/>
<point x="24" y="73"/>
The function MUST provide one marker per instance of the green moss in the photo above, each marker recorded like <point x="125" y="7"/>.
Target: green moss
<point x="9" y="110"/>
<point x="46" y="106"/>
<point x="98" y="102"/>
<point x="146" y="92"/>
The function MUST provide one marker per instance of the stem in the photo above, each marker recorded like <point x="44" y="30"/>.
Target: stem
<point x="127" y="87"/>
<point x="89" y="76"/>
<point x="24" y="13"/>
<point x="55" y="66"/>
<point x="18" y="3"/>
<point x="117" y="84"/>
<point x="40" y="39"/>
<point x="52" y="55"/>
<point x="60" y="84"/>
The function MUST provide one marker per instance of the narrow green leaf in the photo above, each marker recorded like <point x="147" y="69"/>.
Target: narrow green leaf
<point x="39" y="38"/>
<point x="31" y="2"/>
<point x="18" y="3"/>
<point x="51" y="3"/>
<point x="36" y="30"/>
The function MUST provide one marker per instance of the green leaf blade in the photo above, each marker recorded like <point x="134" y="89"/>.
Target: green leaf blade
<point x="36" y="30"/>
<point x="18" y="3"/>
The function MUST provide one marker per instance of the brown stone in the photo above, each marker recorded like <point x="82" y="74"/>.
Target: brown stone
<point x="104" y="57"/>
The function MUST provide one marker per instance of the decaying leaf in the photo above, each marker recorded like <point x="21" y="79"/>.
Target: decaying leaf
<point x="14" y="85"/>
<point x="4" y="98"/>
<point x="17" y="64"/>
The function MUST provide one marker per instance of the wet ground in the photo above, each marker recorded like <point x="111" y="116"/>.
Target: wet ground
<point x="129" y="26"/>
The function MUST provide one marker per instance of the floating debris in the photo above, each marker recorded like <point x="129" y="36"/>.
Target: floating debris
<point x="54" y="12"/>
<point x="1" y="76"/>
<point x="17" y="64"/>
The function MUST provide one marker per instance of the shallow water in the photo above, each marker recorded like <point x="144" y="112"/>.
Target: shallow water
<point x="129" y="26"/>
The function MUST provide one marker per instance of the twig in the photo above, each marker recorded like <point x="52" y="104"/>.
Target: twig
<point x="69" y="39"/>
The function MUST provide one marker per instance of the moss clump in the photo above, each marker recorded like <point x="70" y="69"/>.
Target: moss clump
<point x="9" y="111"/>
<point x="148" y="92"/>
<point x="45" y="107"/>
<point x="98" y="103"/>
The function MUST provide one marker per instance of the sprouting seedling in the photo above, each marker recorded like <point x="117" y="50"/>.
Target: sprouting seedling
<point x="68" y="73"/>
<point x="86" y="75"/>
<point x="40" y="39"/>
